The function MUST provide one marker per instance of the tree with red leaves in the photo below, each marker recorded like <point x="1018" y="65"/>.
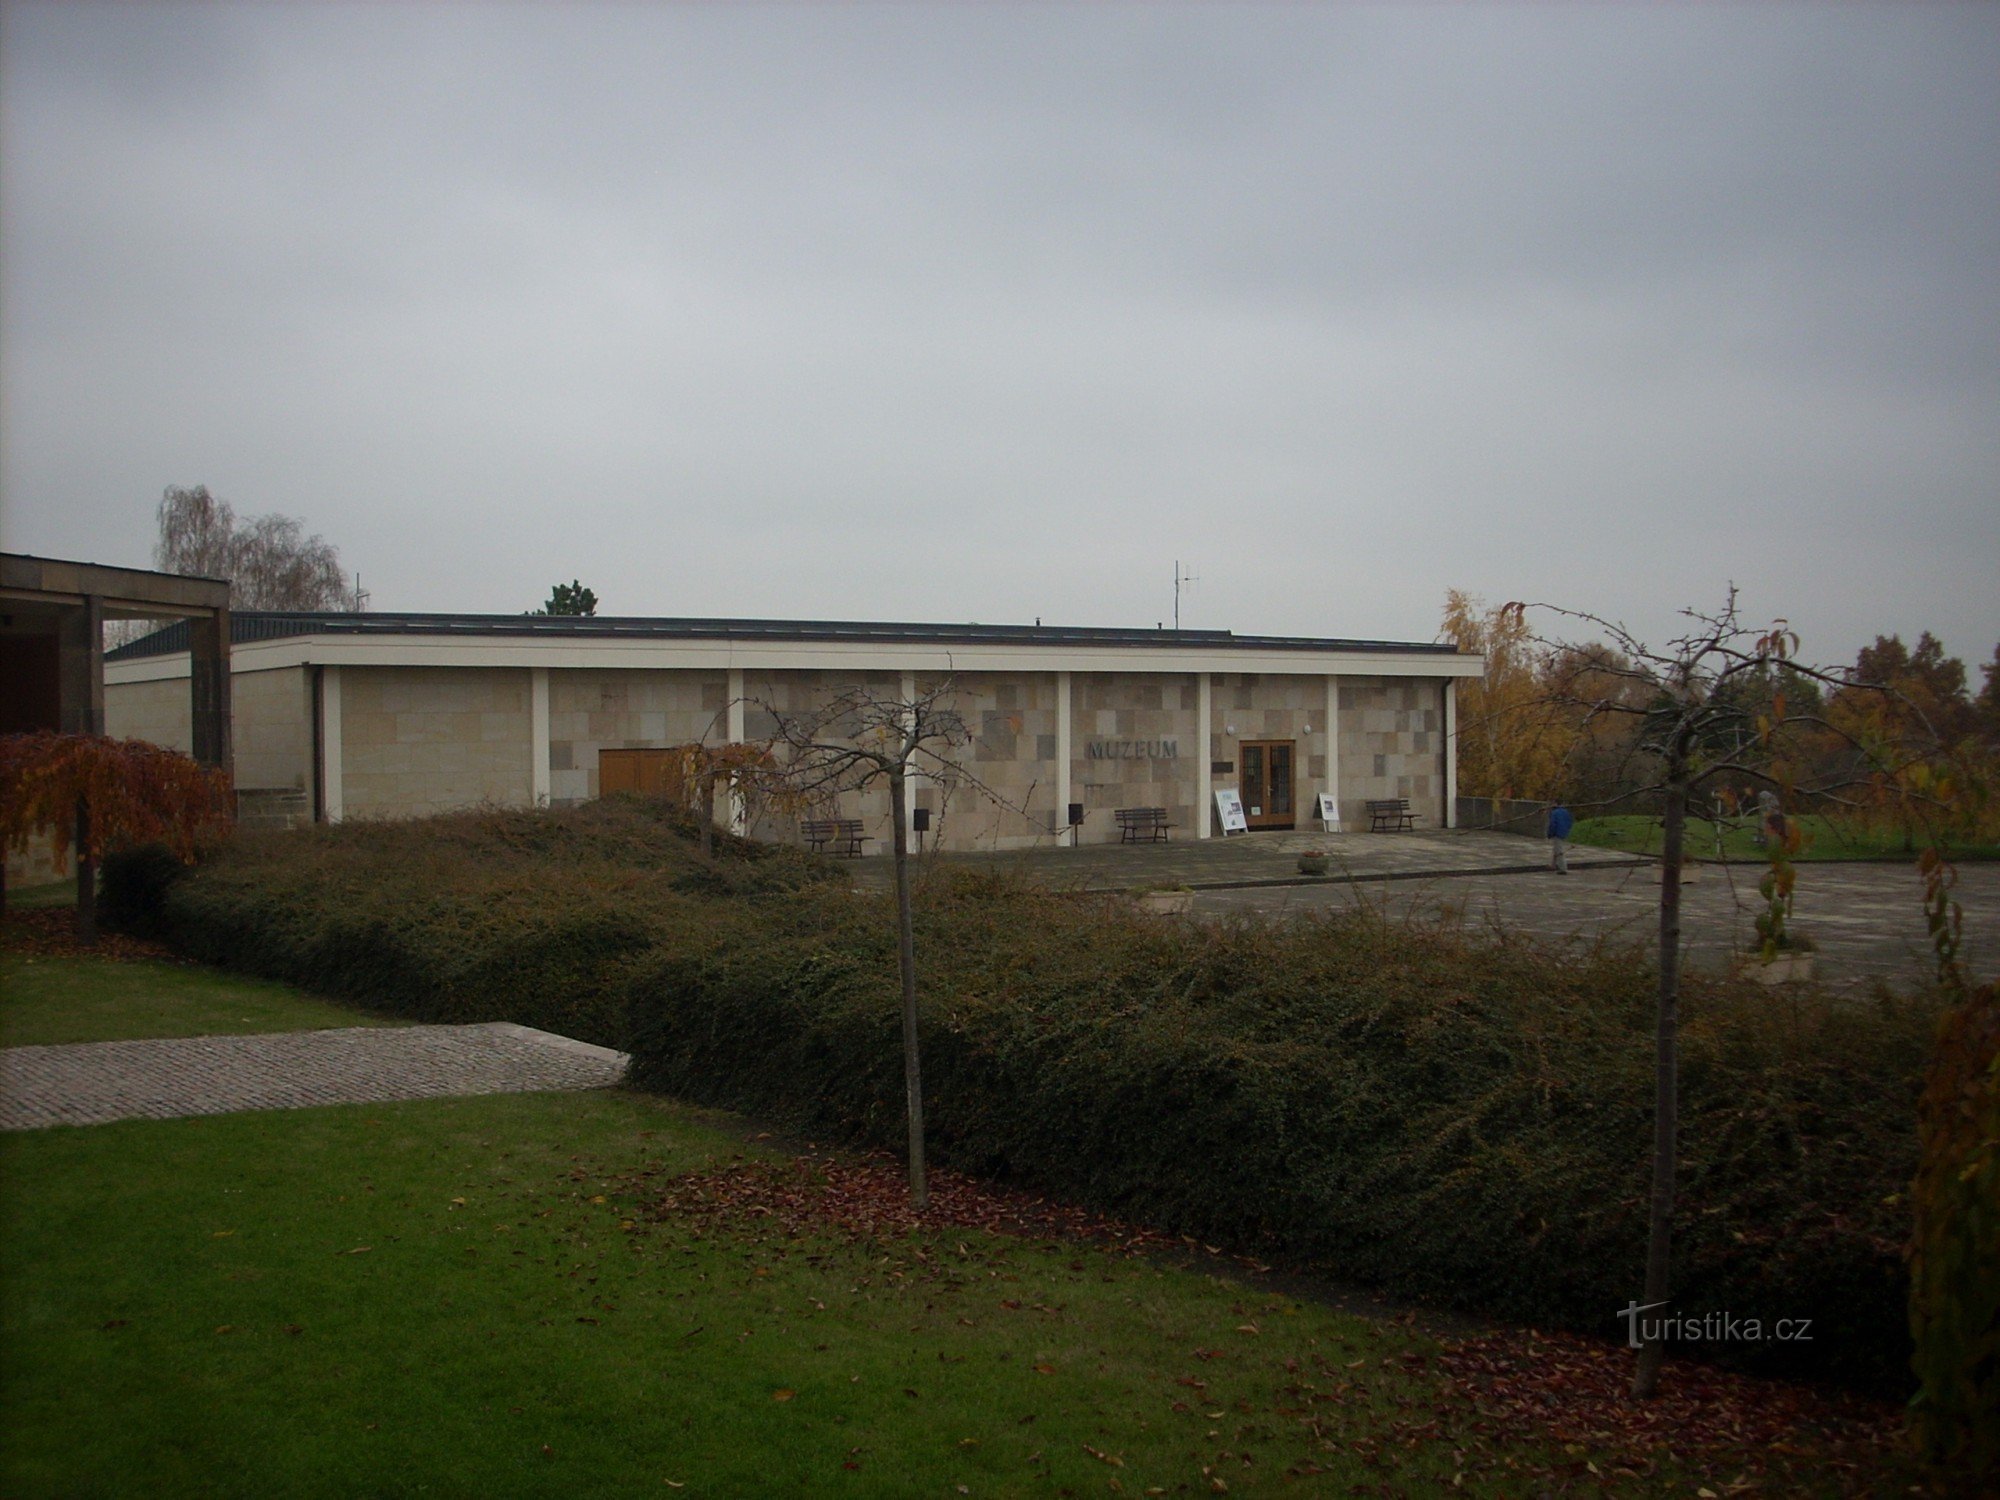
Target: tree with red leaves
<point x="94" y="794"/>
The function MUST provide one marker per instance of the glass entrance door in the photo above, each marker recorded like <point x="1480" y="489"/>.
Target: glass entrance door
<point x="1267" y="783"/>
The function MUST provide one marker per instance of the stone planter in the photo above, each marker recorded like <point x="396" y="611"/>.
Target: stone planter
<point x="1167" y="903"/>
<point x="1788" y="967"/>
<point x="1312" y="864"/>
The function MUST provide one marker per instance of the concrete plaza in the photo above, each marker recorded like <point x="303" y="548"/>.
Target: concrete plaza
<point x="1866" y="918"/>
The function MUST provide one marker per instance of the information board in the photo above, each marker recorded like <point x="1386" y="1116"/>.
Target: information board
<point x="1329" y="812"/>
<point x="1229" y="807"/>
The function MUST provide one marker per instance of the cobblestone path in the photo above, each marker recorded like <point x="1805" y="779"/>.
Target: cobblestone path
<point x="92" y="1082"/>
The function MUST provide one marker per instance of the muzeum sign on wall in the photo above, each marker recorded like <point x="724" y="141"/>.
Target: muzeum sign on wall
<point x="342" y="716"/>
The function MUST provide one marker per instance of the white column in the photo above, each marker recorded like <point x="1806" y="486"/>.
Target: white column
<point x="906" y="686"/>
<point x="1204" y="711"/>
<point x="332" y="803"/>
<point x="737" y="735"/>
<point x="1450" y="752"/>
<point x="1064" y="791"/>
<point x="1333" y="741"/>
<point x="538" y="735"/>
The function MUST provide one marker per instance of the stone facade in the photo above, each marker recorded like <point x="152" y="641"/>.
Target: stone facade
<point x="418" y="740"/>
<point x="1392" y="745"/>
<point x="1262" y="706"/>
<point x="798" y="696"/>
<point x="1135" y="741"/>
<point x="1009" y="798"/>
<point x="591" y="711"/>
<point x="411" y="724"/>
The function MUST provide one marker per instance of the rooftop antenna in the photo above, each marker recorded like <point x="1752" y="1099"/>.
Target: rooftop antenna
<point x="360" y="595"/>
<point x="1179" y="579"/>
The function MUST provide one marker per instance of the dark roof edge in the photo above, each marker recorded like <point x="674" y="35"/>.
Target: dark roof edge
<point x="247" y="626"/>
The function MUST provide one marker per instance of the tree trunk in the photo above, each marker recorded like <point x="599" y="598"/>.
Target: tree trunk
<point x="86" y="880"/>
<point x="1666" y="1090"/>
<point x="906" y="962"/>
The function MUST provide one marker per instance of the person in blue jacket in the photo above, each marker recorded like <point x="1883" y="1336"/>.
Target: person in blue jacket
<point x="1560" y="824"/>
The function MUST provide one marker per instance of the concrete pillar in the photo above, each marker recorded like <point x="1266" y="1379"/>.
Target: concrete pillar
<point x="738" y="813"/>
<point x="208" y="687"/>
<point x="1204" y="778"/>
<point x="906" y="687"/>
<point x="538" y="736"/>
<point x="80" y="667"/>
<point x="332" y="798"/>
<point x="1333" y="741"/>
<point x="1451" y="752"/>
<point x="1065" y="789"/>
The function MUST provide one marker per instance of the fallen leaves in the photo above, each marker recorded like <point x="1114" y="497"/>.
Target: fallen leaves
<point x="51" y="933"/>
<point x="869" y="1200"/>
<point x="1576" y="1392"/>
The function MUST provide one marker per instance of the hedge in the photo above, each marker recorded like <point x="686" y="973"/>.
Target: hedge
<point x="1462" y="1118"/>
<point x="481" y="916"/>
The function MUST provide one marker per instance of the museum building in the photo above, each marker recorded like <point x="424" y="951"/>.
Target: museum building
<point x="398" y="715"/>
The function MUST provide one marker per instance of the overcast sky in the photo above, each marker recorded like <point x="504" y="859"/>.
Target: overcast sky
<point x="990" y="313"/>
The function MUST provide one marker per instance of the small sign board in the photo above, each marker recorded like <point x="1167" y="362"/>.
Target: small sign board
<point x="1229" y="807"/>
<point x="1329" y="812"/>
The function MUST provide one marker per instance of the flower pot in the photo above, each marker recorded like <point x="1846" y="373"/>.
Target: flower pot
<point x="1312" y="864"/>
<point x="1167" y="903"/>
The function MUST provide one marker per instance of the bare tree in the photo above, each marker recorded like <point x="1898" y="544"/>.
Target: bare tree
<point x="856" y="738"/>
<point x="270" y="561"/>
<point x="1696" y="718"/>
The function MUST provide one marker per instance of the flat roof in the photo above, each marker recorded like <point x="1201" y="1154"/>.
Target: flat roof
<point x="247" y="626"/>
<point x="126" y="593"/>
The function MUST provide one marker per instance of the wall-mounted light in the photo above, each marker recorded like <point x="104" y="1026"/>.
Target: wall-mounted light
<point x="1229" y="729"/>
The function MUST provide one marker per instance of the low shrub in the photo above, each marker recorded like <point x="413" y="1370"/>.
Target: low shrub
<point x="495" y="914"/>
<point x="1461" y="1119"/>
<point x="132" y="887"/>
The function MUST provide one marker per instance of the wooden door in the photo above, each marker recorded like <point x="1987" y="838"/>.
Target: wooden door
<point x="1267" y="784"/>
<point x="650" y="773"/>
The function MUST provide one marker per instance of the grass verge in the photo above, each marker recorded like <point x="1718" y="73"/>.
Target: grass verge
<point x="1825" y="839"/>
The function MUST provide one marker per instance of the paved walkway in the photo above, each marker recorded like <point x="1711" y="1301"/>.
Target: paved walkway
<point x="92" y="1082"/>
<point x="1867" y="919"/>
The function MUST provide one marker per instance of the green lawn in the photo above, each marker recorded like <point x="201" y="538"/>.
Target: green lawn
<point x="469" y="1298"/>
<point x="1826" y="839"/>
<point x="36" y="897"/>
<point x="485" y="1297"/>
<point x="46" y="1000"/>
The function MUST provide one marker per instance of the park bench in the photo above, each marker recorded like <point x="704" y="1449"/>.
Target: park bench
<point x="1391" y="815"/>
<point x="842" y="834"/>
<point x="1142" y="825"/>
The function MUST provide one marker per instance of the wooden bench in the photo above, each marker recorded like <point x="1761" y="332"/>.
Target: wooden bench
<point x="843" y="834"/>
<point x="1142" y="825"/>
<point x="1391" y="815"/>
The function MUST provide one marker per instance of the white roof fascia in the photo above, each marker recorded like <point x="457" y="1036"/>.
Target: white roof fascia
<point x="685" y="654"/>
